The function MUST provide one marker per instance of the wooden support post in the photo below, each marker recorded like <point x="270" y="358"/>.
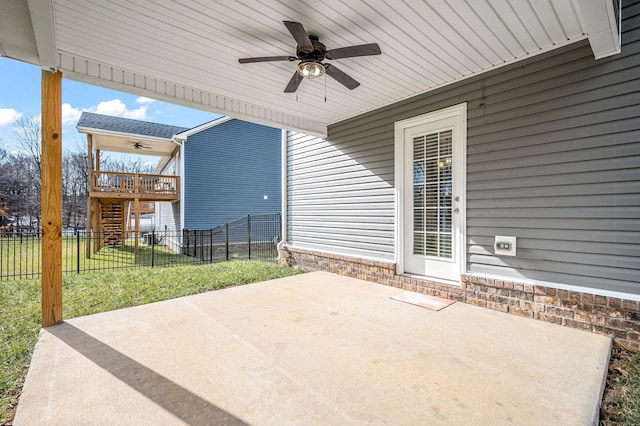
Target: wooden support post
<point x="137" y="232"/>
<point x="123" y="235"/>
<point x="97" y="228"/>
<point x="97" y="160"/>
<point x="89" y="188"/>
<point x="127" y="225"/>
<point x="136" y="183"/>
<point x="51" y="198"/>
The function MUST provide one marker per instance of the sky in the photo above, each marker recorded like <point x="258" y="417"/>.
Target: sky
<point x="20" y="97"/>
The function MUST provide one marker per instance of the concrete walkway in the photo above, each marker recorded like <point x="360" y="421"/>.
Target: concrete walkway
<point x="311" y="349"/>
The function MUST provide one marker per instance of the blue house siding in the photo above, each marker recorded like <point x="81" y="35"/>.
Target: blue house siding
<point x="228" y="170"/>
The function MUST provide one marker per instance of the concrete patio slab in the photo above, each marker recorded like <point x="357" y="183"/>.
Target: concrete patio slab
<point x="311" y="349"/>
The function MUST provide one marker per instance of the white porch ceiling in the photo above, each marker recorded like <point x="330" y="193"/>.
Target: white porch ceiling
<point x="186" y="51"/>
<point x="112" y="142"/>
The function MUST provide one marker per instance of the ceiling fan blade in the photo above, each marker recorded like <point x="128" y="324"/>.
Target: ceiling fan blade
<point x="138" y="145"/>
<point x="267" y="59"/>
<point x="341" y="77"/>
<point x="352" y="51"/>
<point x="293" y="83"/>
<point x="300" y="35"/>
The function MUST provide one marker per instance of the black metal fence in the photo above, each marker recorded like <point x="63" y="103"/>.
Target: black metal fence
<point x="250" y="237"/>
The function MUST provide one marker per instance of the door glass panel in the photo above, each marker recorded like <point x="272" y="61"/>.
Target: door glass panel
<point x="432" y="194"/>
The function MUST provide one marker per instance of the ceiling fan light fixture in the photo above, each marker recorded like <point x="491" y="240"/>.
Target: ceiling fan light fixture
<point x="311" y="69"/>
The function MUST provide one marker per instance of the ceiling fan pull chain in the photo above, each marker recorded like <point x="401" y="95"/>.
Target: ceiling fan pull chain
<point x="325" y="88"/>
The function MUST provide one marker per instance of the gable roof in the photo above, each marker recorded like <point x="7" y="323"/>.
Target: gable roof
<point x="188" y="132"/>
<point x="117" y="134"/>
<point x="91" y="121"/>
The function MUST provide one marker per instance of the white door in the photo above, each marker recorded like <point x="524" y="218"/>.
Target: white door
<point x="433" y="195"/>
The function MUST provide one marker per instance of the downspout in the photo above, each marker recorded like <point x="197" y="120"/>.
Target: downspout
<point x="180" y="163"/>
<point x="283" y="195"/>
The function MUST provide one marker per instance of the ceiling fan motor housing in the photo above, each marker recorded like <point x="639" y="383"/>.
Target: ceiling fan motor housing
<point x="318" y="53"/>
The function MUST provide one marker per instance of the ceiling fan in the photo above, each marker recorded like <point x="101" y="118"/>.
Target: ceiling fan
<point x="138" y="145"/>
<point x="311" y="54"/>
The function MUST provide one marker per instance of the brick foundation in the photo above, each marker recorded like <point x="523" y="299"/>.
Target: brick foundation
<point x="614" y="317"/>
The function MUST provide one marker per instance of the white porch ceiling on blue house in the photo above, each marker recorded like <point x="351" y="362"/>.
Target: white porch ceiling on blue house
<point x="187" y="51"/>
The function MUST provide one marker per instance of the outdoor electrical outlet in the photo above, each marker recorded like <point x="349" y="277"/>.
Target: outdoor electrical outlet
<point x="505" y="246"/>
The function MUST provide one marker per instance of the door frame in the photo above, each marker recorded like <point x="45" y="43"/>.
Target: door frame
<point x="459" y="114"/>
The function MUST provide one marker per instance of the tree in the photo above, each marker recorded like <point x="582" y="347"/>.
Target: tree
<point x="20" y="179"/>
<point x="20" y="182"/>
<point x="20" y="185"/>
<point x="28" y="133"/>
<point x="126" y="164"/>
<point x="75" y="184"/>
<point x="4" y="217"/>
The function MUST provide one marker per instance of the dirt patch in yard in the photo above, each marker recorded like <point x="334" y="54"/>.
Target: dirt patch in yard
<point x="621" y="401"/>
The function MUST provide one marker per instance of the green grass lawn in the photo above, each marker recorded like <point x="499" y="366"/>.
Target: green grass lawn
<point x="20" y="256"/>
<point x="95" y="292"/>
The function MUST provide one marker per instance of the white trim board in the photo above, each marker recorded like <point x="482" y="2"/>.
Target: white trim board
<point x="284" y="186"/>
<point x="124" y="135"/>
<point x="184" y="135"/>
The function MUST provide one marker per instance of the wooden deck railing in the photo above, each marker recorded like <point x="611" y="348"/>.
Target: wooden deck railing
<point x="132" y="185"/>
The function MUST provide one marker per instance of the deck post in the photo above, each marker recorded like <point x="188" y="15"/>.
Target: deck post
<point x="97" y="237"/>
<point x="89" y="187"/>
<point x="51" y="198"/>
<point x="137" y="230"/>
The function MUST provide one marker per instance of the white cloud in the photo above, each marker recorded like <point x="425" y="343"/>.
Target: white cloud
<point x="70" y="115"/>
<point x="143" y="100"/>
<point x="117" y="108"/>
<point x="8" y="116"/>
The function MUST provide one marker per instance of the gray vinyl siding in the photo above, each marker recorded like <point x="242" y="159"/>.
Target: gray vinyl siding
<point x="229" y="168"/>
<point x="340" y="195"/>
<point x="553" y="158"/>
<point x="168" y="214"/>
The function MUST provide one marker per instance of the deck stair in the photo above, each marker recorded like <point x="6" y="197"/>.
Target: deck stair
<point x="115" y="198"/>
<point x="112" y="221"/>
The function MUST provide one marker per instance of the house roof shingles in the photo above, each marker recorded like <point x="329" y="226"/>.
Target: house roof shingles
<point x="90" y="120"/>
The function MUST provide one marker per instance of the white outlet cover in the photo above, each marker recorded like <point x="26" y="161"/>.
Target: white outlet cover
<point x="505" y="252"/>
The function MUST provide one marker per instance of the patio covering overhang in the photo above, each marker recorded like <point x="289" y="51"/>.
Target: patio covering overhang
<point x="186" y="52"/>
<point x="115" y="134"/>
